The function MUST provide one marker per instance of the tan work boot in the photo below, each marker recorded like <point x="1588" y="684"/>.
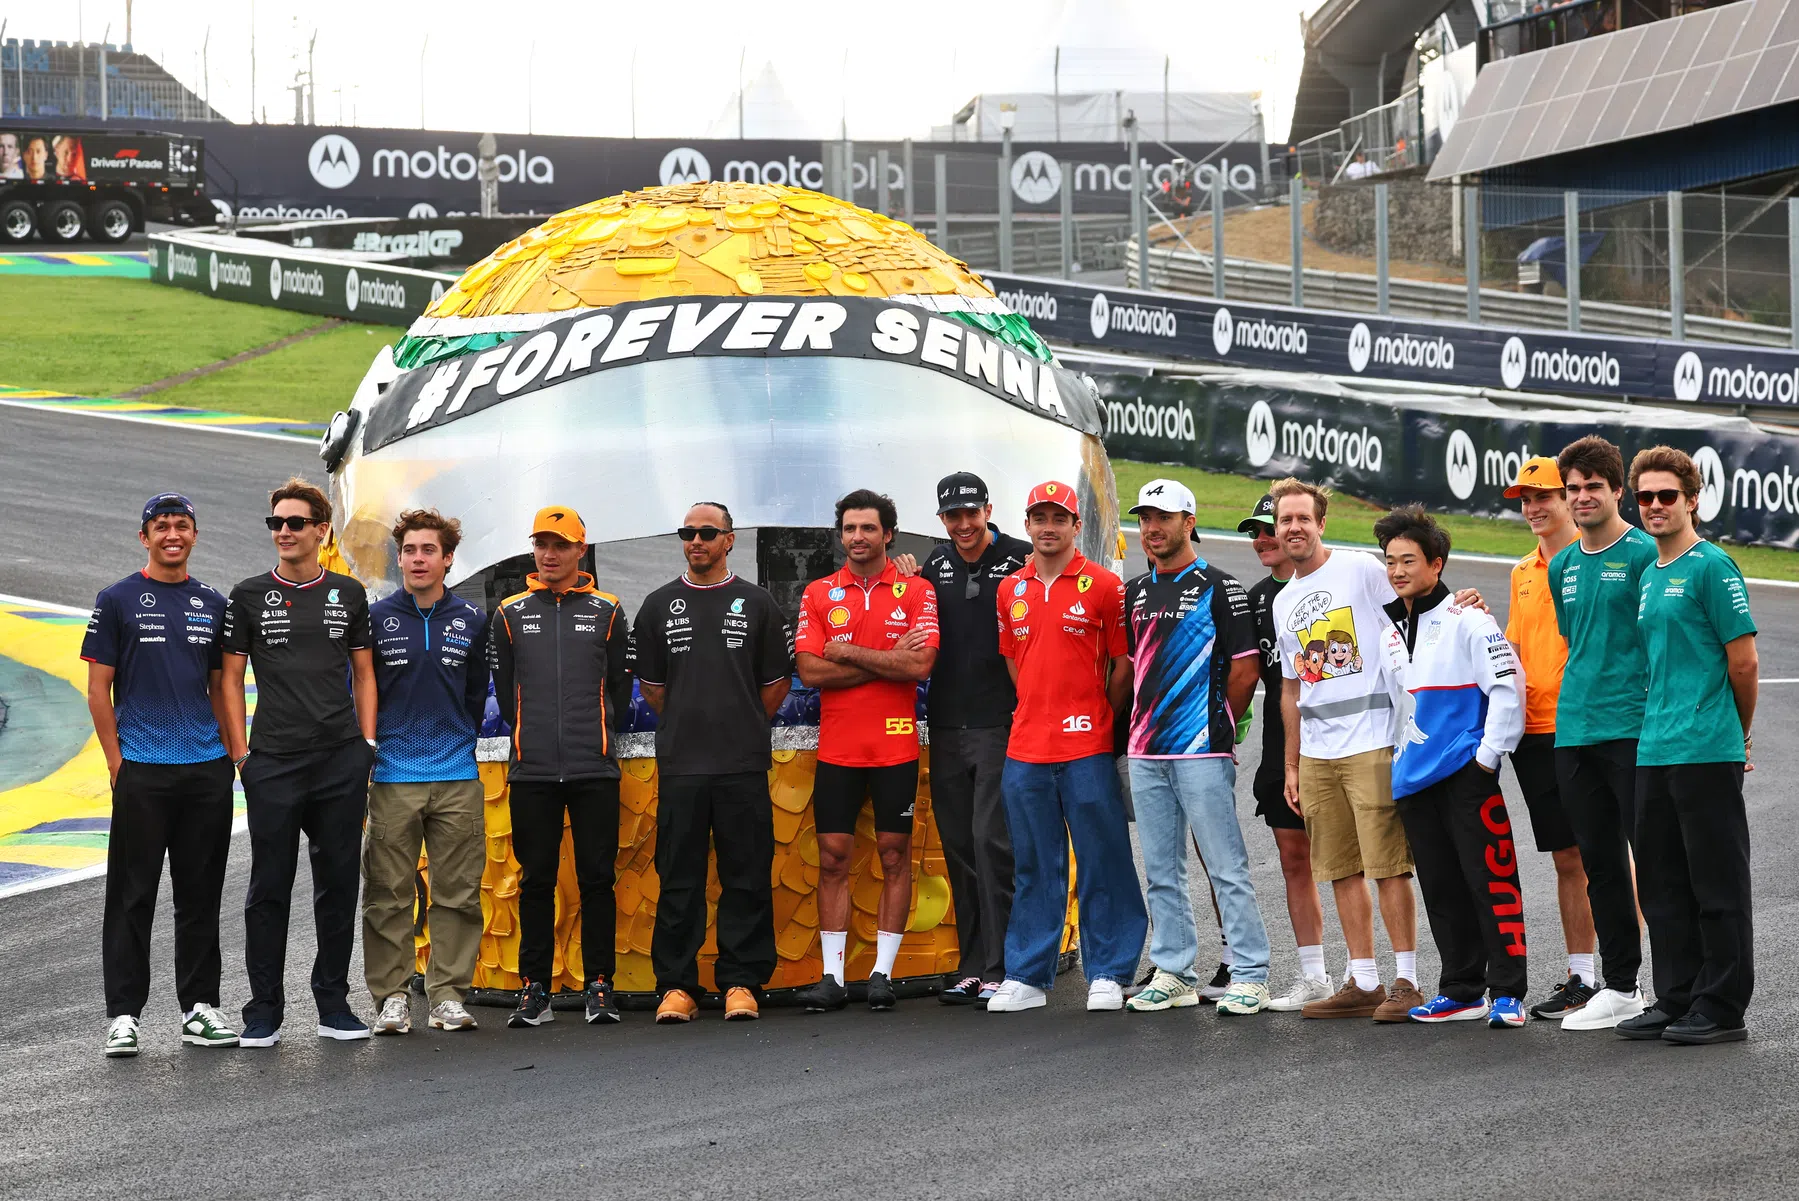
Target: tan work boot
<point x="1400" y="1002"/>
<point x="740" y="1005"/>
<point x="676" y="1006"/>
<point x="1347" y="1002"/>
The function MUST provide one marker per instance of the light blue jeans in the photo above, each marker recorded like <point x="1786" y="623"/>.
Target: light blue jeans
<point x="1170" y="796"/>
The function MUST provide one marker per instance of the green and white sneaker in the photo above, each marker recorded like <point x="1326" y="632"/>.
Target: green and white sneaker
<point x="121" y="1037"/>
<point x="206" y="1027"/>
<point x="1243" y="997"/>
<point x="1165" y="990"/>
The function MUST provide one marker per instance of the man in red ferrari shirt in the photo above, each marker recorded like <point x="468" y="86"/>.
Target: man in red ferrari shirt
<point x="866" y="638"/>
<point x="1061" y="628"/>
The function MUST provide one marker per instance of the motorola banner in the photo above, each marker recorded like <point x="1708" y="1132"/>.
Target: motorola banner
<point x="1453" y="456"/>
<point x="1386" y="348"/>
<point x="258" y="272"/>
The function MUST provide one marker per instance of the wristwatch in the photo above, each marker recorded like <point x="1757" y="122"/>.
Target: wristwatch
<point x="1748" y="742"/>
<point x="373" y="745"/>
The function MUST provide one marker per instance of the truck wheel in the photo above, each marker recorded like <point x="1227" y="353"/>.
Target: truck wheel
<point x="18" y="220"/>
<point x="109" y="221"/>
<point x="62" y="221"/>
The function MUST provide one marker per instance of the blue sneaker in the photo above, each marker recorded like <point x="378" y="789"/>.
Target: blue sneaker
<point x="259" y="1034"/>
<point x="1506" y="1011"/>
<point x="1442" y="1009"/>
<point x="343" y="1026"/>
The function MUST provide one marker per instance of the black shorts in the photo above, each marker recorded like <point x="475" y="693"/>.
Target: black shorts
<point x="1534" y="765"/>
<point x="1270" y="791"/>
<point x="838" y="793"/>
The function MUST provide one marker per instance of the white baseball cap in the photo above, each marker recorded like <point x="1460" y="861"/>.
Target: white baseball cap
<point x="1170" y="496"/>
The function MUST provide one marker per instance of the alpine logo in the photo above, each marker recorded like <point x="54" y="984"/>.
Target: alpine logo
<point x="334" y="161"/>
<point x="1255" y="333"/>
<point x="1032" y="306"/>
<point x="1459" y="463"/>
<point x="1108" y="316"/>
<point x="684" y="164"/>
<point x="1398" y="350"/>
<point x="1036" y="177"/>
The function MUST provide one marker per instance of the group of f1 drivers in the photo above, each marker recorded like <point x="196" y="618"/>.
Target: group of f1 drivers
<point x="1063" y="703"/>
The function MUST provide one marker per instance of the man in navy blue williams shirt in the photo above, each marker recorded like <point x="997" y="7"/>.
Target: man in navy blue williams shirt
<point x="431" y="685"/>
<point x="152" y="650"/>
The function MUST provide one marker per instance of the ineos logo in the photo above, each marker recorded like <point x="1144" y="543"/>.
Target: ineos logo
<point x="1036" y="177"/>
<point x="1689" y="381"/>
<point x="1258" y="436"/>
<point x="684" y="164"/>
<point x="1459" y="464"/>
<point x="334" y="161"/>
<point x="1100" y="315"/>
<point x="1361" y="343"/>
<point x="1710" y="467"/>
<point x="1511" y="363"/>
<point x="1223" y="332"/>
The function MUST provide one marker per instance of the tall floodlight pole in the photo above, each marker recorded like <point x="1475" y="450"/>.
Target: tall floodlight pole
<point x="104" y="38"/>
<point x="1056" y="75"/>
<point x="206" y="73"/>
<point x="1139" y="211"/>
<point x="312" y="83"/>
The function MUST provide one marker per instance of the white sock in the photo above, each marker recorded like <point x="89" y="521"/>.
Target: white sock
<point x="1224" y="954"/>
<point x="1311" y="962"/>
<point x="189" y="1015"/>
<point x="886" y="951"/>
<point x="832" y="941"/>
<point x="1366" y="978"/>
<point x="1406" y="964"/>
<point x="1581" y="966"/>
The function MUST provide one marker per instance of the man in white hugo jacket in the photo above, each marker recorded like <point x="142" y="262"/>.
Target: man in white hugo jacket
<point x="1461" y="707"/>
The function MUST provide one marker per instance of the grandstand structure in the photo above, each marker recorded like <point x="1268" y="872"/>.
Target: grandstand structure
<point x="92" y="82"/>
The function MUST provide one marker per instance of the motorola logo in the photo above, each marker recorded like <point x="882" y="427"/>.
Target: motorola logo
<point x="1361" y="344"/>
<point x="1036" y="177"/>
<point x="1223" y="332"/>
<point x="334" y="161"/>
<point x="422" y="212"/>
<point x="1711" y="470"/>
<point x="1100" y="315"/>
<point x="1258" y="436"/>
<point x="274" y="279"/>
<point x="1689" y="379"/>
<point x="350" y="285"/>
<point x="1511" y="364"/>
<point x="212" y="271"/>
<point x="684" y="164"/>
<point x="1460" y="465"/>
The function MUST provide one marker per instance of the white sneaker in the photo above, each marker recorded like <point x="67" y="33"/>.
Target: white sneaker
<point x="1103" y="995"/>
<point x="396" y="1015"/>
<point x="1305" y="990"/>
<point x="450" y="1015"/>
<point x="121" y="1037"/>
<point x="1165" y="990"/>
<point x="1244" y="997"/>
<point x="1015" y="995"/>
<point x="1607" y="1008"/>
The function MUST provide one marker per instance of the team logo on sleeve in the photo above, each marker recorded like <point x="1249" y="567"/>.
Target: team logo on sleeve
<point x="899" y="589"/>
<point x="838" y="617"/>
<point x="1084" y="583"/>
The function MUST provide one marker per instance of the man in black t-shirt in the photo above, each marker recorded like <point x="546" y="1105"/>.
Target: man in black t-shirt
<point x="305" y="630"/>
<point x="712" y="662"/>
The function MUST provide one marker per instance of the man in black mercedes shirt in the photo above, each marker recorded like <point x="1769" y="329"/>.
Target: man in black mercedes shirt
<point x="970" y="708"/>
<point x="712" y="662"/>
<point x="306" y="768"/>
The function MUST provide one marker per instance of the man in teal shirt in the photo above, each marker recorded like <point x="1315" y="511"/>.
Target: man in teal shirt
<point x="1593" y="583"/>
<point x="1692" y="833"/>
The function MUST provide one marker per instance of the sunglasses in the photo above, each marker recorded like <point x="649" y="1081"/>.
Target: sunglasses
<point x="1663" y="496"/>
<point x="704" y="533"/>
<point x="296" y="524"/>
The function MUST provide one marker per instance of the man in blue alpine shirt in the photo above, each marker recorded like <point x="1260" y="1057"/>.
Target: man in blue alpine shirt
<point x="1692" y="832"/>
<point x="431" y="685"/>
<point x="1195" y="663"/>
<point x="153" y="688"/>
<point x="1461" y="709"/>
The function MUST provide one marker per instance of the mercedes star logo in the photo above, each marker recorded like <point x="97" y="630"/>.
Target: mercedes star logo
<point x="147" y="599"/>
<point x="391" y="624"/>
<point x="271" y="598"/>
<point x="677" y="606"/>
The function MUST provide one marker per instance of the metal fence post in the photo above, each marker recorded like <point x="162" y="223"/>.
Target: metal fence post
<point x="1005" y="201"/>
<point x="940" y="168"/>
<point x="1218" y="234"/>
<point x="1067" y="199"/>
<point x="1380" y="249"/>
<point x="1296" y="190"/>
<point x="1793" y="269"/>
<point x="1677" y="267"/>
<point x="883" y="161"/>
<point x="833" y="173"/>
<point x="1571" y="255"/>
<point x="1139" y="210"/>
<point x="910" y="213"/>
<point x="849" y="171"/>
<point x="1471" y="248"/>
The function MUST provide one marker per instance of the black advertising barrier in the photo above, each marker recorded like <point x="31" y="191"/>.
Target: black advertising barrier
<point x="258" y="272"/>
<point x="1450" y="454"/>
<point x="434" y="240"/>
<point x="1390" y="348"/>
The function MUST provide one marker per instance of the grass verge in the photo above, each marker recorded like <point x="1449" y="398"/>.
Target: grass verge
<point x="307" y="381"/>
<point x="1224" y="500"/>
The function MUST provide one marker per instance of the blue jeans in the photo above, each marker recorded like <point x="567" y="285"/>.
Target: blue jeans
<point x="1047" y="805"/>
<point x="1170" y="795"/>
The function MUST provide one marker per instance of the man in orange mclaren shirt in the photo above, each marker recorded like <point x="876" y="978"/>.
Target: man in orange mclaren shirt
<point x="1531" y="628"/>
<point x="866" y="638"/>
<point x="1061" y="629"/>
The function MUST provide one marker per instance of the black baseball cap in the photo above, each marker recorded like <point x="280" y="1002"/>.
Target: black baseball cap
<point x="169" y="502"/>
<point x="1262" y="514"/>
<point x="962" y="490"/>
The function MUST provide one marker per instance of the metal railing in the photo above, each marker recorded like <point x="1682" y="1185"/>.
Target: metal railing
<point x="1388" y="138"/>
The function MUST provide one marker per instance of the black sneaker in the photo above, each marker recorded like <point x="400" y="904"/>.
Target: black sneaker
<point x="965" y="991"/>
<point x="823" y="997"/>
<point x="1569" y="996"/>
<point x="1646" y="1026"/>
<point x="1217" y="986"/>
<point x="880" y="991"/>
<point x="533" y="1006"/>
<point x="601" y="1005"/>
<point x="1696" y="1030"/>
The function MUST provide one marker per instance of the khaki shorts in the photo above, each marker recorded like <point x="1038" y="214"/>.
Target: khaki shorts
<point x="1350" y="817"/>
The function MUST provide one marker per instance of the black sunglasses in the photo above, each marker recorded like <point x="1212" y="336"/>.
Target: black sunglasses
<point x="1667" y="497"/>
<point x="704" y="533"/>
<point x="296" y="524"/>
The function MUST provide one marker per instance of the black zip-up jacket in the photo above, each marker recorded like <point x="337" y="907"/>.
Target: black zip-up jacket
<point x="560" y="675"/>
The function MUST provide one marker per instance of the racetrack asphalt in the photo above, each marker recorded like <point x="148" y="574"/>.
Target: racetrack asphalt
<point x="927" y="1101"/>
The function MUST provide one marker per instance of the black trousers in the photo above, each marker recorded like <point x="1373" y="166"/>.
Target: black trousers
<point x="966" y="766"/>
<point x="183" y="811"/>
<point x="323" y="794"/>
<point x="1467" y="866"/>
<point x="537" y="809"/>
<point x="733" y="814"/>
<point x="1599" y="788"/>
<point x="1693" y="856"/>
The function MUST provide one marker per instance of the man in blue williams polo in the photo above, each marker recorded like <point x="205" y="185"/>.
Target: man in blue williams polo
<point x="431" y="687"/>
<point x="153" y="688"/>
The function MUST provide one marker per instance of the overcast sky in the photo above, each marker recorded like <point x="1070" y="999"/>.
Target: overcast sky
<point x="885" y="75"/>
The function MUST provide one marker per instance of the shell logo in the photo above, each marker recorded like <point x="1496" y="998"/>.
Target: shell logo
<point x="1019" y="609"/>
<point x="838" y="617"/>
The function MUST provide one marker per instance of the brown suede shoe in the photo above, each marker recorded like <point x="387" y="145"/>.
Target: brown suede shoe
<point x="676" y="1007"/>
<point x="1399" y="1003"/>
<point x="740" y="1005"/>
<point x="1347" y="1002"/>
